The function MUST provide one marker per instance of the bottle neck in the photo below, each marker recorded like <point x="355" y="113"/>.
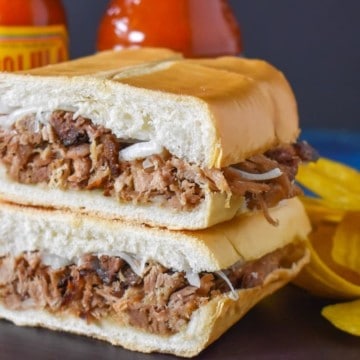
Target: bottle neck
<point x="194" y="27"/>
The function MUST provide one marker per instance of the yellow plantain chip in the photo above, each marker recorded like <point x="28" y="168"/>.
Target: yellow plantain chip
<point x="319" y="279"/>
<point x="346" y="243"/>
<point x="319" y="210"/>
<point x="337" y="184"/>
<point x="344" y="316"/>
<point x="344" y="174"/>
<point x="310" y="280"/>
<point x="322" y="239"/>
<point x="334" y="243"/>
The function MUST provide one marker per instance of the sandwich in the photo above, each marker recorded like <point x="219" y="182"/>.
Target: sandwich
<point x="146" y="289"/>
<point x="148" y="137"/>
<point x="139" y="192"/>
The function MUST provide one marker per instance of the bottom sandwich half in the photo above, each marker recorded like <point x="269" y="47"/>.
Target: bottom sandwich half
<point x="142" y="288"/>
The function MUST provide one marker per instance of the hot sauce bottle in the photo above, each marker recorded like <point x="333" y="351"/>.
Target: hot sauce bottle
<point x="197" y="28"/>
<point x="33" y="33"/>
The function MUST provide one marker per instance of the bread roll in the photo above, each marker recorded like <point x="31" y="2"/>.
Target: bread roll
<point x="64" y="236"/>
<point x="210" y="114"/>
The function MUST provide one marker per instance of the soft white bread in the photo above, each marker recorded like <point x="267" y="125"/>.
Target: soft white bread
<point x="68" y="236"/>
<point x="207" y="323"/>
<point x="212" y="115"/>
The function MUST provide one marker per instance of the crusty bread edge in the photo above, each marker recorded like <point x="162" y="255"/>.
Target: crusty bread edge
<point x="104" y="64"/>
<point x="207" y="324"/>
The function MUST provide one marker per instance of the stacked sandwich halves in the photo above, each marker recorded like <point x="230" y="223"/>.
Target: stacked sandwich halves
<point x="146" y="199"/>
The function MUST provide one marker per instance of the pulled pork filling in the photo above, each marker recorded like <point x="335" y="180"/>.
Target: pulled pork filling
<point x="159" y="301"/>
<point x="72" y="153"/>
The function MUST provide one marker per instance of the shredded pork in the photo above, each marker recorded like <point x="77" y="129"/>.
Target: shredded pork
<point x="72" y="153"/>
<point x="160" y="301"/>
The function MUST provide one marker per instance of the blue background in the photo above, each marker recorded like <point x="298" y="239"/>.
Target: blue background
<point x="315" y="42"/>
<point x="339" y="146"/>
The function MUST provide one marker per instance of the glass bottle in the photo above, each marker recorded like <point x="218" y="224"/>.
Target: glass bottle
<point x="197" y="28"/>
<point x="33" y="33"/>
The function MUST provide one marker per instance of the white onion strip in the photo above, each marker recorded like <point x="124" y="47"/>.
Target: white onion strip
<point x="193" y="279"/>
<point x="147" y="164"/>
<point x="137" y="266"/>
<point x="9" y="119"/>
<point x="233" y="295"/>
<point x="272" y="174"/>
<point x="140" y="150"/>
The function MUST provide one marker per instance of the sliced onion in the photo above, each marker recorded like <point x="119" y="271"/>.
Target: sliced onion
<point x="233" y="295"/>
<point x="8" y="120"/>
<point x="137" y="266"/>
<point x="41" y="117"/>
<point x="147" y="164"/>
<point x="140" y="150"/>
<point x="193" y="279"/>
<point x="17" y="114"/>
<point x="272" y="174"/>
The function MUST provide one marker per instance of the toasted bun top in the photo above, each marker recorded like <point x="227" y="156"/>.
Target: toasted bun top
<point x="211" y="112"/>
<point x="106" y="63"/>
<point x="68" y="235"/>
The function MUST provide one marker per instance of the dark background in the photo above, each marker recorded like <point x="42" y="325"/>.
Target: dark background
<point x="315" y="42"/>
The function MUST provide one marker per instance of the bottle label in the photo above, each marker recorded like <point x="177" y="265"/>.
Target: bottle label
<point x="25" y="47"/>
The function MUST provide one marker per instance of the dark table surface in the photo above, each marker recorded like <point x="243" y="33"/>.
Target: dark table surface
<point x="286" y="325"/>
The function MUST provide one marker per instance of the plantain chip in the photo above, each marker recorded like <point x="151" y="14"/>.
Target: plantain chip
<point x="341" y="173"/>
<point x="319" y="210"/>
<point x="337" y="184"/>
<point x="345" y="316"/>
<point x="334" y="243"/>
<point x="329" y="273"/>
<point x="322" y="239"/>
<point x="346" y="243"/>
<point x="319" y="279"/>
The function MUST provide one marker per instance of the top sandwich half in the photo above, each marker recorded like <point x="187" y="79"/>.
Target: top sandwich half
<point x="148" y="136"/>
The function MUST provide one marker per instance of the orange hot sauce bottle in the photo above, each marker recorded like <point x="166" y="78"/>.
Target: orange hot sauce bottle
<point x="33" y="33"/>
<point x="197" y="28"/>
